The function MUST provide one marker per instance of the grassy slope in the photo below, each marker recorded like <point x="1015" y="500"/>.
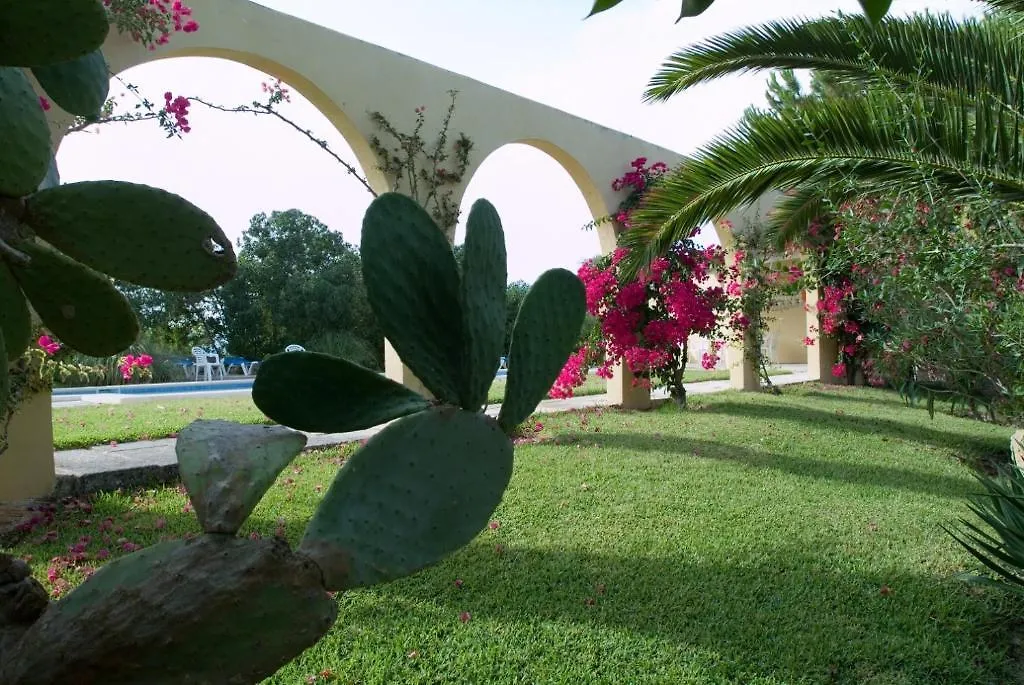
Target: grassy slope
<point x="160" y="418"/>
<point x="753" y="539"/>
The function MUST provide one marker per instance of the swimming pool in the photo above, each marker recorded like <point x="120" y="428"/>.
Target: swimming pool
<point x="160" y="388"/>
<point x="232" y="385"/>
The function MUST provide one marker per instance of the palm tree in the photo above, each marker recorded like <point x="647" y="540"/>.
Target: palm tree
<point x="941" y="110"/>
<point x="876" y="9"/>
<point x="938" y="109"/>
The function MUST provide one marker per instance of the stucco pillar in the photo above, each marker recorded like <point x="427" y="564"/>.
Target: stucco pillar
<point x="400" y="373"/>
<point x="27" y="467"/>
<point x="743" y="373"/>
<point x="622" y="392"/>
<point x="620" y="388"/>
<point x="824" y="351"/>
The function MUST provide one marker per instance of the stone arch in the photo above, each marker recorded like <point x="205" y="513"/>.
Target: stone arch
<point x="586" y="185"/>
<point x="599" y="203"/>
<point x="331" y="110"/>
<point x="581" y="178"/>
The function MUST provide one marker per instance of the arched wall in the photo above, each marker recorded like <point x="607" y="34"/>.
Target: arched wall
<point x="592" y="195"/>
<point x="595" y="199"/>
<point x="347" y="78"/>
<point x="122" y="56"/>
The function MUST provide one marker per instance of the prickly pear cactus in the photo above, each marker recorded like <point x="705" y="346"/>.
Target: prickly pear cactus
<point x="428" y="483"/>
<point x="223" y="609"/>
<point x="214" y="609"/>
<point x="93" y="231"/>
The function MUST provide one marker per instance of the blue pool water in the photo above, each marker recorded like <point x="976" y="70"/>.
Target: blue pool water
<point x="159" y="388"/>
<point x="174" y="388"/>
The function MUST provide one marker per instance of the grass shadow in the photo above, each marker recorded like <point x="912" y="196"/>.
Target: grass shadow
<point x="776" y="615"/>
<point x="866" y="425"/>
<point x="849" y="472"/>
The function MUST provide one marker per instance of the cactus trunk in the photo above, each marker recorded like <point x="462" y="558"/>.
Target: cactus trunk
<point x="213" y="610"/>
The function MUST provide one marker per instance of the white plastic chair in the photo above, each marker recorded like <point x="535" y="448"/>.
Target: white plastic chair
<point x="295" y="348"/>
<point x="208" y="362"/>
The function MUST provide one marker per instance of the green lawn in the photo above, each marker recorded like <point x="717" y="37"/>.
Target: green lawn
<point x="151" y="419"/>
<point x="753" y="539"/>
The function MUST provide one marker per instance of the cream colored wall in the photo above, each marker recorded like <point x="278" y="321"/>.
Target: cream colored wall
<point x="27" y="467"/>
<point x="788" y="325"/>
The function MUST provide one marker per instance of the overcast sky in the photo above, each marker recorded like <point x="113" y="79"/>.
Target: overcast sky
<point x="234" y="166"/>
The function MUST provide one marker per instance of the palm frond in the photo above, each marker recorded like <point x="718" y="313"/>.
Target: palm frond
<point x="799" y="207"/>
<point x="924" y="50"/>
<point x="1016" y="6"/>
<point x="882" y="141"/>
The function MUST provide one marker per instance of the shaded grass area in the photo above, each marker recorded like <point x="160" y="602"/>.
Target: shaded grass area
<point x="75" y="427"/>
<point x="750" y="539"/>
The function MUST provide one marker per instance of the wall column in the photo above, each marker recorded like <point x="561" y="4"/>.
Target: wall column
<point x="622" y="392"/>
<point x="400" y="373"/>
<point x="620" y="388"/>
<point x="743" y="373"/>
<point x="825" y="350"/>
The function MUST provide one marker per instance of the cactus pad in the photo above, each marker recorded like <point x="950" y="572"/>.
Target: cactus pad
<point x="227" y="467"/>
<point x="420" y="489"/>
<point x="484" y="276"/>
<point x="24" y="133"/>
<point x="80" y="306"/>
<point x="15" y="324"/>
<point x="217" y="609"/>
<point x="79" y="86"/>
<point x="134" y="233"/>
<point x="47" y="31"/>
<point x="412" y="284"/>
<point x="545" y="333"/>
<point x="316" y="392"/>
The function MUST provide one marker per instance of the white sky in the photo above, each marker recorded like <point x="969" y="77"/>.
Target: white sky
<point x="235" y="165"/>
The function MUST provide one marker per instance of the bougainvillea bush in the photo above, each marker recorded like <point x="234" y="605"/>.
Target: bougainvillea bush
<point x="939" y="290"/>
<point x="645" y="323"/>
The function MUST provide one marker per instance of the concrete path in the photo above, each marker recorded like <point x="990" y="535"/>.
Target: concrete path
<point x="153" y="462"/>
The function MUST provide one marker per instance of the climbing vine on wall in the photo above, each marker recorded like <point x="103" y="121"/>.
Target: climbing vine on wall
<point x="428" y="173"/>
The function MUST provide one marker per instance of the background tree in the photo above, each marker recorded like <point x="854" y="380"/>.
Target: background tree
<point x="515" y="293"/>
<point x="177" y="321"/>
<point x="299" y="282"/>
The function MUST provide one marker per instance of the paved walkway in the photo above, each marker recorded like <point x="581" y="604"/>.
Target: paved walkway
<point x="154" y="462"/>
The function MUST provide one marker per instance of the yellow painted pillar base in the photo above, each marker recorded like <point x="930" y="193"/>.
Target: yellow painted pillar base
<point x="622" y="392"/>
<point x="742" y="372"/>
<point x="26" y="467"/>
<point x="400" y="373"/>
